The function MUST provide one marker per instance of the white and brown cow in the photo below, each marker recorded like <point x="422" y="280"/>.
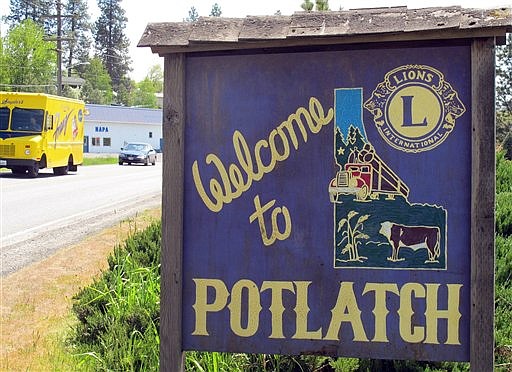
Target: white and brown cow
<point x="414" y="237"/>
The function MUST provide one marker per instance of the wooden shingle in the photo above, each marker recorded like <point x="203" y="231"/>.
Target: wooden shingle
<point x="333" y="27"/>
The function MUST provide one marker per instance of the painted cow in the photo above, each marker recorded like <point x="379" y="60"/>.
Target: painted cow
<point x="414" y="237"/>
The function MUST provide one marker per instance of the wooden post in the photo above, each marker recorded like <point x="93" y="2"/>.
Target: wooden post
<point x="171" y="353"/>
<point x="482" y="204"/>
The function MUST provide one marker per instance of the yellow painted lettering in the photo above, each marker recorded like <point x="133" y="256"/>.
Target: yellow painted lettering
<point x="253" y="308"/>
<point x="301" y="312"/>
<point x="202" y="307"/>
<point x="276" y="306"/>
<point x="452" y="314"/>
<point x="408" y="332"/>
<point x="346" y="310"/>
<point x="232" y="184"/>
<point x="380" y="310"/>
<point x="286" y="147"/>
<point x="275" y="233"/>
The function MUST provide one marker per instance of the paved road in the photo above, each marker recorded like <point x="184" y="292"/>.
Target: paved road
<point x="38" y="216"/>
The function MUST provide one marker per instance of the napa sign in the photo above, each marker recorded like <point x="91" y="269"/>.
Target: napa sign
<point x="329" y="212"/>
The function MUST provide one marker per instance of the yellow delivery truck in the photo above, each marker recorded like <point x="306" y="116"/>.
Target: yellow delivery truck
<point x="40" y="131"/>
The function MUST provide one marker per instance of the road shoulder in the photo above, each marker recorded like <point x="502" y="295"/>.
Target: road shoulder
<point x="36" y="301"/>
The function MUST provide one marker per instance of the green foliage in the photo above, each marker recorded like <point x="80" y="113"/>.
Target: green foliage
<point x="345" y="364"/>
<point x="193" y="15"/>
<point x="30" y="58"/>
<point x="100" y="160"/>
<point x="322" y="5"/>
<point x="503" y="279"/>
<point x="504" y="77"/>
<point x="307" y="5"/>
<point x="76" y="49"/>
<point x="119" y="313"/>
<point x="97" y="88"/>
<point x="216" y="11"/>
<point x="504" y="213"/>
<point x="504" y="261"/>
<point x="503" y="173"/>
<point x="503" y="326"/>
<point x="156" y="77"/>
<point x="145" y="94"/>
<point x="112" y="44"/>
<point x="36" y="11"/>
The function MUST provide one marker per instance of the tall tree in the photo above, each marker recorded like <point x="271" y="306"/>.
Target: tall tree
<point x="39" y="11"/>
<point x="322" y="5"/>
<point x="30" y="58"/>
<point x="193" y="15"/>
<point x="77" y="29"/>
<point x="156" y="77"/>
<point x="504" y="95"/>
<point x="97" y="87"/>
<point x="216" y="11"/>
<point x="112" y="43"/>
<point x="145" y="96"/>
<point x="307" y="5"/>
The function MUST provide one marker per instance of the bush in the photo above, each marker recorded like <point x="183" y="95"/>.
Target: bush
<point x="504" y="213"/>
<point x="503" y="173"/>
<point x="119" y="314"/>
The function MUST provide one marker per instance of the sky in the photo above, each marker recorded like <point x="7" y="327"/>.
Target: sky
<point x="142" y="12"/>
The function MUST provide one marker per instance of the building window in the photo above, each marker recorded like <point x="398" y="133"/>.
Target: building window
<point x="96" y="141"/>
<point x="106" y="142"/>
<point x="150" y="134"/>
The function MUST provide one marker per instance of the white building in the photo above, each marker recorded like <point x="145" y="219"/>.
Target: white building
<point x="108" y="128"/>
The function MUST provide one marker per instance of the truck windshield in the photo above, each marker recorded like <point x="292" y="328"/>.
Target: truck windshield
<point x="4" y="118"/>
<point x="30" y="120"/>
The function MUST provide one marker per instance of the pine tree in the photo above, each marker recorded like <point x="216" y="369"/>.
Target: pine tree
<point x="504" y="90"/>
<point x="322" y="5"/>
<point x="39" y="11"/>
<point x="307" y="5"/>
<point x="216" y="11"/>
<point x="77" y="28"/>
<point x="192" y="15"/>
<point x="112" y="44"/>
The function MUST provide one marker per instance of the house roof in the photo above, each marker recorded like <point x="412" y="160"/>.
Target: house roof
<point x="324" y="28"/>
<point x="122" y="114"/>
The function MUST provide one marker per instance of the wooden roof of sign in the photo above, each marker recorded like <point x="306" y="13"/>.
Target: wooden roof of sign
<point x="325" y="28"/>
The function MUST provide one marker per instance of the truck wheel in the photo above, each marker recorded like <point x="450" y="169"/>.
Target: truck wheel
<point x="18" y="170"/>
<point x="33" y="172"/>
<point x="60" y="171"/>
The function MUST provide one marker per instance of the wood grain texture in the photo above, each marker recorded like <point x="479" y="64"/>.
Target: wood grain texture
<point x="482" y="202"/>
<point x="171" y="354"/>
<point x="326" y="28"/>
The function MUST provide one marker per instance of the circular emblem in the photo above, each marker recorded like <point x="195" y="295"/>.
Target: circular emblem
<point x="414" y="108"/>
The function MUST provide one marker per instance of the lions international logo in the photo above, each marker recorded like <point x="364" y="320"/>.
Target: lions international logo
<point x="414" y="108"/>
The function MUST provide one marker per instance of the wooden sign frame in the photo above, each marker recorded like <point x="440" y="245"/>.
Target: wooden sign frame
<point x="482" y="184"/>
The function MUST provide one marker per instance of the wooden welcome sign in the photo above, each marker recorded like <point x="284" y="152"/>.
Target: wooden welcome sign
<point x="328" y="184"/>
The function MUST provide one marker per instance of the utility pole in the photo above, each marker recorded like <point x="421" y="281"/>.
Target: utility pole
<point x="59" y="49"/>
<point x="59" y="40"/>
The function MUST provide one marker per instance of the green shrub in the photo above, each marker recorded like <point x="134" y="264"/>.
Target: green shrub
<point x="503" y="261"/>
<point x="503" y="325"/>
<point x="119" y="314"/>
<point x="503" y="173"/>
<point x="504" y="213"/>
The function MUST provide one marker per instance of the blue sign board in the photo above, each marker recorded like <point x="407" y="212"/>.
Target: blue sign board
<point x="327" y="205"/>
